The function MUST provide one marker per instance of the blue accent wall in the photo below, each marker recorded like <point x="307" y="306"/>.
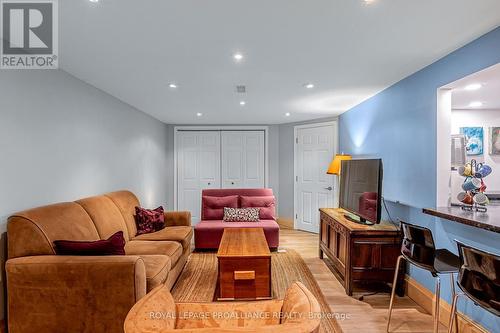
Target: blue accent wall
<point x="399" y="126"/>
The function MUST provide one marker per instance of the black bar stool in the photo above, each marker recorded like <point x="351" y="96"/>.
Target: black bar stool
<point x="478" y="279"/>
<point x="419" y="249"/>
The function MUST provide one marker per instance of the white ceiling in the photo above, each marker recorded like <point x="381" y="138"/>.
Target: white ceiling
<point x="488" y="94"/>
<point x="349" y="50"/>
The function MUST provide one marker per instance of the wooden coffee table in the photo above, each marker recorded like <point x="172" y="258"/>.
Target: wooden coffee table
<point x="244" y="265"/>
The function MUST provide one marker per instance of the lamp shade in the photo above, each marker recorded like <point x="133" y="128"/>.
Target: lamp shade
<point x="334" y="168"/>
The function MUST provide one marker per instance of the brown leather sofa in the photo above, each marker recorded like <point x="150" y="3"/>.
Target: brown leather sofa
<point x="48" y="293"/>
<point x="298" y="312"/>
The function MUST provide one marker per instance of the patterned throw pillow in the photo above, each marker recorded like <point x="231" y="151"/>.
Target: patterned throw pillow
<point x="241" y="214"/>
<point x="149" y="220"/>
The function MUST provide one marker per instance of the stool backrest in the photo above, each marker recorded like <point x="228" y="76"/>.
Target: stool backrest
<point x="418" y="245"/>
<point x="479" y="277"/>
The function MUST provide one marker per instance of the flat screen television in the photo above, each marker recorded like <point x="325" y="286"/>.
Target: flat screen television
<point x="361" y="190"/>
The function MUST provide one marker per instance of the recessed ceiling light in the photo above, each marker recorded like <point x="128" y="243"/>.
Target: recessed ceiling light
<point x="473" y="86"/>
<point x="287" y="114"/>
<point x="369" y="2"/>
<point x="476" y="104"/>
<point x="199" y="114"/>
<point x="94" y="0"/>
<point x="238" y="56"/>
<point x="242" y="103"/>
<point x="172" y="85"/>
<point x="308" y="85"/>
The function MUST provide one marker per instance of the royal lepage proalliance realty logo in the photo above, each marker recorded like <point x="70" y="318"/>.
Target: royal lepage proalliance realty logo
<point x="29" y="34"/>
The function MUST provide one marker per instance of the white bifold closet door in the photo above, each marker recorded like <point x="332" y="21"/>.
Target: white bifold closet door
<point x="198" y="167"/>
<point x="217" y="159"/>
<point x="242" y="159"/>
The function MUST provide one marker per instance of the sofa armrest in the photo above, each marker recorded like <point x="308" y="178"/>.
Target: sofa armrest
<point x="177" y="219"/>
<point x="73" y="293"/>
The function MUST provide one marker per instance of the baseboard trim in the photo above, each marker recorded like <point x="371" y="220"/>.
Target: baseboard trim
<point x="285" y="223"/>
<point x="425" y="298"/>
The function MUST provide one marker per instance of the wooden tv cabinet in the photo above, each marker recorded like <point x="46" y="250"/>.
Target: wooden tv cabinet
<point x="359" y="253"/>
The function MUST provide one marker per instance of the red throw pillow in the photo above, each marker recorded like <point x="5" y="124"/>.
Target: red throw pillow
<point x="114" y="245"/>
<point x="267" y="205"/>
<point x="213" y="207"/>
<point x="149" y="220"/>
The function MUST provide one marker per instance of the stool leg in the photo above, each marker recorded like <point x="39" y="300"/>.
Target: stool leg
<point x="393" y="292"/>
<point x="453" y="296"/>
<point x="453" y="313"/>
<point x="436" y="305"/>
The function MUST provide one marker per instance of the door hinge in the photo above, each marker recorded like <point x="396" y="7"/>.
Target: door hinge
<point x="296" y="140"/>
<point x="296" y="216"/>
<point x="296" y="178"/>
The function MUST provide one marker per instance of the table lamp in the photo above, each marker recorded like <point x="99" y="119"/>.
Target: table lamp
<point x="334" y="168"/>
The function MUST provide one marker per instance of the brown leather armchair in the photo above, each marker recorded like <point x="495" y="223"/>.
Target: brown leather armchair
<point x="157" y="312"/>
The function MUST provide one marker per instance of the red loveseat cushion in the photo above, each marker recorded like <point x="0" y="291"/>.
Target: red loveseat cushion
<point x="213" y="207"/>
<point x="267" y="205"/>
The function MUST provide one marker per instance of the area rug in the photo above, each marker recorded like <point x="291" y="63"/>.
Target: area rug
<point x="198" y="282"/>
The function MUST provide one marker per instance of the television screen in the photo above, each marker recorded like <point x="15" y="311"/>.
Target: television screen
<point x="360" y="188"/>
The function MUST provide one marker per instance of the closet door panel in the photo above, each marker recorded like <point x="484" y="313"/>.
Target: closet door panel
<point x="243" y="159"/>
<point x="232" y="159"/>
<point x="254" y="159"/>
<point x="209" y="160"/>
<point x="198" y="167"/>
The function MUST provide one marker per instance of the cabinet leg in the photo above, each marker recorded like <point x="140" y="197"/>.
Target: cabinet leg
<point x="348" y="288"/>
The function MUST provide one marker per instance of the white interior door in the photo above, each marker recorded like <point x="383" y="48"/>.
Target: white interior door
<point x="243" y="159"/>
<point x="198" y="167"/>
<point x="315" y="147"/>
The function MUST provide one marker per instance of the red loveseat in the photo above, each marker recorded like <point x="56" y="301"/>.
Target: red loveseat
<point x="208" y="232"/>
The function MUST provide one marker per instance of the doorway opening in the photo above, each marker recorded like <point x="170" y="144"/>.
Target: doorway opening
<point x="468" y="133"/>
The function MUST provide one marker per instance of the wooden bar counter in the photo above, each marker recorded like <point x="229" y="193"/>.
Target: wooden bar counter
<point x="489" y="221"/>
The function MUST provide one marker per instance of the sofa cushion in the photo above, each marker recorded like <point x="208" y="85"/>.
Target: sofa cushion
<point x="33" y="231"/>
<point x="267" y="205"/>
<point x="149" y="220"/>
<point x="157" y="269"/>
<point x="126" y="202"/>
<point x="114" y="245"/>
<point x="208" y="233"/>
<point x="141" y="247"/>
<point x="106" y="216"/>
<point x="179" y="234"/>
<point x="213" y="207"/>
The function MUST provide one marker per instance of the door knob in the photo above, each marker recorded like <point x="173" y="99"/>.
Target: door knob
<point x="232" y="183"/>
<point x="209" y="183"/>
<point x="329" y="188"/>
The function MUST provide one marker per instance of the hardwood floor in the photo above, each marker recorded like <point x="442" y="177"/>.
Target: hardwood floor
<point x="368" y="315"/>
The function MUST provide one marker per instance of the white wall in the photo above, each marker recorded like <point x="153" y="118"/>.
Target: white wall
<point x="485" y="119"/>
<point x="61" y="139"/>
